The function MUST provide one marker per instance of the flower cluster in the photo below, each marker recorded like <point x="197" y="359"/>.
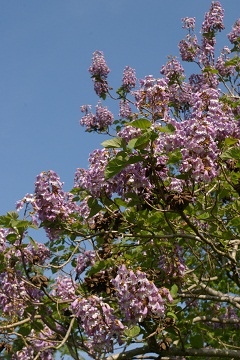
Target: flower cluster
<point x="137" y="296"/>
<point x="15" y="294"/>
<point x="129" y="78"/>
<point x="153" y="96"/>
<point x="100" y="121"/>
<point x="38" y="342"/>
<point x="50" y="203"/>
<point x="173" y="263"/>
<point x="93" y="179"/>
<point x="65" y="288"/>
<point x="124" y="109"/>
<point x="84" y="260"/>
<point x="99" y="71"/>
<point x="98" y="322"/>
<point x="213" y="21"/>
<point x="234" y="35"/>
<point x="188" y="23"/>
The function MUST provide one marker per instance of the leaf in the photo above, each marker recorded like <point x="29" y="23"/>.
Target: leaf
<point x="230" y="141"/>
<point x="132" y="332"/>
<point x="120" y="202"/>
<point x="172" y="315"/>
<point x="94" y="207"/>
<point x="114" y="143"/>
<point x="174" y="291"/>
<point x="12" y="238"/>
<point x="33" y="242"/>
<point x="196" y="341"/>
<point x="142" y="141"/>
<point x="233" y="153"/>
<point x="141" y="124"/>
<point x="114" y="167"/>
<point x="169" y="128"/>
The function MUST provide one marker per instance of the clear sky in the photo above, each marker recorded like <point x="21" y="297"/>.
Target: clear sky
<point x="46" y="49"/>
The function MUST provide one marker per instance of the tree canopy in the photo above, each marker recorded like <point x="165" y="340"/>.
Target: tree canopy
<point x="141" y="258"/>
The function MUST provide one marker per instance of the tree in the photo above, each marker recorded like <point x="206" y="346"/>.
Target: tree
<point x="142" y="256"/>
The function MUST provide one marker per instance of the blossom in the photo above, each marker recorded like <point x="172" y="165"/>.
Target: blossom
<point x="188" y="23"/>
<point x="137" y="296"/>
<point x="124" y="109"/>
<point x="65" y="288"/>
<point x="99" y="71"/>
<point x="129" y="78"/>
<point x="84" y="260"/>
<point x="100" y="121"/>
<point x="234" y="35"/>
<point x="99" y="323"/>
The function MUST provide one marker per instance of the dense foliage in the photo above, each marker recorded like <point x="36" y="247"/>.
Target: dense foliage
<point x="142" y="256"/>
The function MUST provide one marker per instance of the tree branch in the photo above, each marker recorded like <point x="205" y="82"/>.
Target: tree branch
<point x="220" y="353"/>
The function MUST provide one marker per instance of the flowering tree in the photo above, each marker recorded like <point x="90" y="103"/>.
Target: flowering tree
<point x="142" y="255"/>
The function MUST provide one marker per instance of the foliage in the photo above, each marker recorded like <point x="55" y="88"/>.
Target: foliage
<point x="142" y="254"/>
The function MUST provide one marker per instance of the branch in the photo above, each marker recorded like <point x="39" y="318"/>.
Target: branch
<point x="206" y="352"/>
<point x="216" y="320"/>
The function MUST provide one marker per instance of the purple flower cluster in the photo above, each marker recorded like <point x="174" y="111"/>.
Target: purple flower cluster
<point x="125" y="110"/>
<point x="198" y="136"/>
<point x="100" y="121"/>
<point x="15" y="294"/>
<point x="93" y="179"/>
<point x="234" y="35"/>
<point x="99" y="71"/>
<point x="188" y="23"/>
<point x="153" y="96"/>
<point x="65" y="288"/>
<point x="98" y="322"/>
<point x="129" y="78"/>
<point x="173" y="263"/>
<point x="189" y="48"/>
<point x="137" y="296"/>
<point x="37" y="344"/>
<point x="224" y="70"/>
<point x="173" y="69"/>
<point x="84" y="260"/>
<point x="213" y="21"/>
<point x="50" y="202"/>
<point x="129" y="132"/>
<point x="36" y="254"/>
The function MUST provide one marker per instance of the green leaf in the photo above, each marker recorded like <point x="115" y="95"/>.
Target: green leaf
<point x="114" y="167"/>
<point x="196" y="341"/>
<point x="174" y="291"/>
<point x="142" y="141"/>
<point x="120" y="202"/>
<point x="94" y="207"/>
<point x="233" y="153"/>
<point x="169" y="128"/>
<point x="12" y="238"/>
<point x="132" y="332"/>
<point x="141" y="124"/>
<point x="172" y="315"/>
<point x="114" y="143"/>
<point x="33" y="242"/>
<point x="230" y="141"/>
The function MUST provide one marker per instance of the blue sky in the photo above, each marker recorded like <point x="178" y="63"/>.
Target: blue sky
<point x="46" y="49"/>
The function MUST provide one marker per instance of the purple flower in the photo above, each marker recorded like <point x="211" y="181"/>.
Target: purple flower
<point x="98" y="122"/>
<point x="234" y="35"/>
<point x="129" y="78"/>
<point x="98" y="322"/>
<point x="188" y="23"/>
<point x="99" y="71"/>
<point x="137" y="296"/>
<point x="124" y="109"/>
<point x="84" y="260"/>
